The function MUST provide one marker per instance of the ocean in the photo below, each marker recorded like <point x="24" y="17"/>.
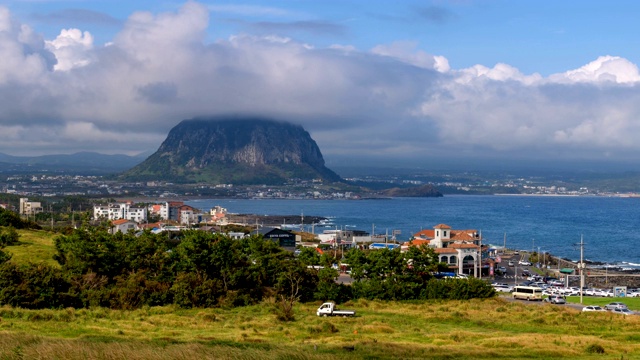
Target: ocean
<point x="609" y="226"/>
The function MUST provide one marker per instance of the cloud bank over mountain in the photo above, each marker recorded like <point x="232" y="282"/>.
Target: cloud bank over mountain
<point x="392" y="101"/>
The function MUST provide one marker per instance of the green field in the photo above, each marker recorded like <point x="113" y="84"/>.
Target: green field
<point x="632" y="303"/>
<point x="475" y="329"/>
<point x="35" y="246"/>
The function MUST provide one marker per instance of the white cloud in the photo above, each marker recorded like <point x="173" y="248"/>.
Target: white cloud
<point x="393" y="99"/>
<point x="604" y="69"/>
<point x="406" y="51"/>
<point x="71" y="48"/>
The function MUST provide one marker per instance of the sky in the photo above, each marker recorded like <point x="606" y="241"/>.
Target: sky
<point x="371" y="81"/>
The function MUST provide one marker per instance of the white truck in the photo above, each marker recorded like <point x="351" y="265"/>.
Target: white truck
<point x="329" y="309"/>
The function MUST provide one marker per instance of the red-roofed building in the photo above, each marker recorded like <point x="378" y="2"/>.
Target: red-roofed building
<point x="460" y="249"/>
<point x="122" y="225"/>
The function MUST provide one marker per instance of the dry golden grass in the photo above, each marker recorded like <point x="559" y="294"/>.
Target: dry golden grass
<point x="448" y="330"/>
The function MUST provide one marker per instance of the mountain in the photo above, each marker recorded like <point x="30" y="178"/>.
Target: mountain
<point x="81" y="163"/>
<point x="234" y="150"/>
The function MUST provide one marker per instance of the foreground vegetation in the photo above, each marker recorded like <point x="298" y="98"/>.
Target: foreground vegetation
<point x="89" y="267"/>
<point x="470" y="329"/>
<point x="206" y="296"/>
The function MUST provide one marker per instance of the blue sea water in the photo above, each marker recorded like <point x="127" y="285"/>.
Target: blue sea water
<point x="610" y="226"/>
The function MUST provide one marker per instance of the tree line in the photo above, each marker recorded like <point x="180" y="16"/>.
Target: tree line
<point x="202" y="269"/>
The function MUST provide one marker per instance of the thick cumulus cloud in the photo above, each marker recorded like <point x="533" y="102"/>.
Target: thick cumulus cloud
<point x="69" y="94"/>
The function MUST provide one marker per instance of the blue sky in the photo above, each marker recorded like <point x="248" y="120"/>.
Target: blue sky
<point x="368" y="79"/>
<point x="533" y="36"/>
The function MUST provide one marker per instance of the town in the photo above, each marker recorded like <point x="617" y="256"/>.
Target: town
<point x="97" y="187"/>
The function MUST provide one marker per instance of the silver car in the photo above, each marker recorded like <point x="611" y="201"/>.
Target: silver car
<point x="615" y="305"/>
<point x="623" y="311"/>
<point x="556" y="299"/>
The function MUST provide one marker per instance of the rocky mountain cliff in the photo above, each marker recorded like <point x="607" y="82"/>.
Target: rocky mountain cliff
<point x="236" y="151"/>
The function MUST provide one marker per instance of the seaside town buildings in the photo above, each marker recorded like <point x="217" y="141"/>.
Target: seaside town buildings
<point x="460" y="249"/>
<point x="172" y="211"/>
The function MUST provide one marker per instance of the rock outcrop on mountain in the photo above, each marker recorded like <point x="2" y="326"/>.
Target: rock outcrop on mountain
<point x="234" y="151"/>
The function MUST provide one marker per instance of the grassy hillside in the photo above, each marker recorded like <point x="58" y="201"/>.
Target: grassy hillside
<point x="446" y="330"/>
<point x="35" y="246"/>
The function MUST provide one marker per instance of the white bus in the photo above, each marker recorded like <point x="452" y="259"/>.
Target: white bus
<point x="527" y="292"/>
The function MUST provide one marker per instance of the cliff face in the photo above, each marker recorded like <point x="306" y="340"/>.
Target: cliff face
<point x="237" y="151"/>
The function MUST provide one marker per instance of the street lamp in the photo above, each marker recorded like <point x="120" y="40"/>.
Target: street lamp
<point x="533" y="245"/>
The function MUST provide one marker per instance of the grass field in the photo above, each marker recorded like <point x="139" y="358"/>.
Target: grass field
<point x="632" y="303"/>
<point x="478" y="329"/>
<point x="35" y="246"/>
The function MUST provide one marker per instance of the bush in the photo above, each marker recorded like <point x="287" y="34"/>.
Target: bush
<point x="595" y="349"/>
<point x="8" y="236"/>
<point x="34" y="286"/>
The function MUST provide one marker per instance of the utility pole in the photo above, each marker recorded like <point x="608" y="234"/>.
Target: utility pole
<point x="480" y="257"/>
<point x="504" y="246"/>
<point x="533" y="245"/>
<point x="581" y="266"/>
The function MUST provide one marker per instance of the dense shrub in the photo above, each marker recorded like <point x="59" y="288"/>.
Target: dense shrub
<point x="129" y="271"/>
<point x="458" y="289"/>
<point x="8" y="236"/>
<point x="35" y="286"/>
<point x="10" y="218"/>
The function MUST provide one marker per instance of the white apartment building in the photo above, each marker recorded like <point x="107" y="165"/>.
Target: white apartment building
<point x="117" y="211"/>
<point x="29" y="207"/>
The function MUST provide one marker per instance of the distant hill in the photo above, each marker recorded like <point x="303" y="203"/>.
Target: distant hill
<point x="415" y="191"/>
<point x="236" y="151"/>
<point x="88" y="163"/>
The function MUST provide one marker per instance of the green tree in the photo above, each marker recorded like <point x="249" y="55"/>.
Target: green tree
<point x="309" y="256"/>
<point x="8" y="236"/>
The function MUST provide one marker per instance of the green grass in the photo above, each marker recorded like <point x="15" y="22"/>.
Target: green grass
<point x="35" y="246"/>
<point x="632" y="303"/>
<point x="477" y="329"/>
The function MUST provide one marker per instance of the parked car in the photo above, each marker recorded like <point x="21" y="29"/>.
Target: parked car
<point x="593" y="308"/>
<point x="623" y="311"/>
<point x="556" y="299"/>
<point x="615" y="305"/>
<point x="502" y="288"/>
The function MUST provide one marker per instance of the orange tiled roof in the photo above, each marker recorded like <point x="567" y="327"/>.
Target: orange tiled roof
<point x="151" y="225"/>
<point x="455" y="235"/>
<point x="417" y="242"/>
<point x="445" y="251"/>
<point x="120" y="221"/>
<point x="425" y="234"/>
<point x="464" y="246"/>
<point x="442" y="226"/>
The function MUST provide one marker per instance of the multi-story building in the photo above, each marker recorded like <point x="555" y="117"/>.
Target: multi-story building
<point x="117" y="211"/>
<point x="459" y="249"/>
<point x="29" y="207"/>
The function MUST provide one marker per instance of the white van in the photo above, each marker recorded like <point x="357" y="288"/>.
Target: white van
<point x="527" y="292"/>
